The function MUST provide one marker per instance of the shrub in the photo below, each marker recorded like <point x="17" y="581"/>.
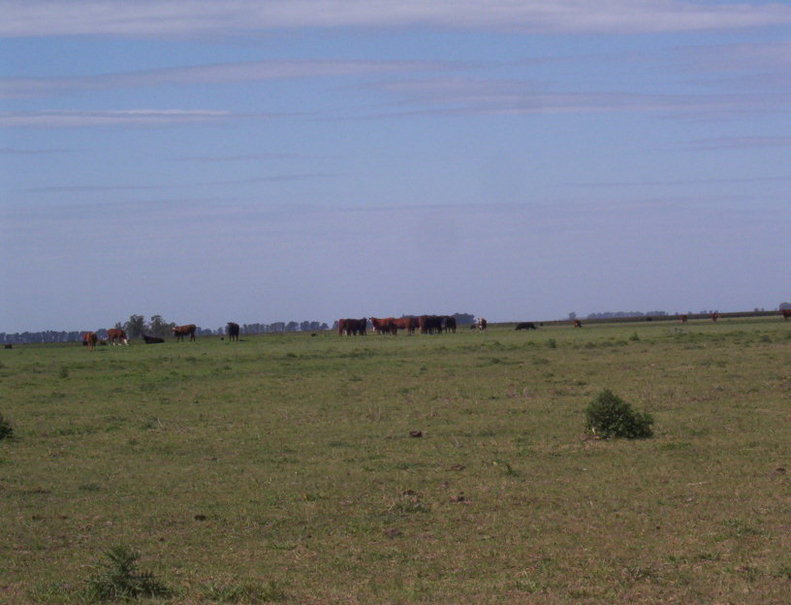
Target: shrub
<point x="119" y="579"/>
<point x="610" y="416"/>
<point x="6" y="430"/>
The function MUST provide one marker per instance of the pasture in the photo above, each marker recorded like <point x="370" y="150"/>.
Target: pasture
<point x="289" y="468"/>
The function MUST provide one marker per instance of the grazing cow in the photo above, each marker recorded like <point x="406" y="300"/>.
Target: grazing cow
<point x="116" y="336"/>
<point x="577" y="323"/>
<point x="233" y="331"/>
<point x="89" y="339"/>
<point x="526" y="325"/>
<point x="181" y="331"/>
<point x="152" y="340"/>
<point x="786" y="313"/>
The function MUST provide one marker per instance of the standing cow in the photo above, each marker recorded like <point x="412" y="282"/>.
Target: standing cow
<point x="352" y="327"/>
<point x="384" y="325"/>
<point x="233" y="331"/>
<point x="89" y="339"/>
<point x="181" y="331"/>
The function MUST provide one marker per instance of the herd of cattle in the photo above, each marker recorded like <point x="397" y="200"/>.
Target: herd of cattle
<point x="117" y="336"/>
<point x="426" y="324"/>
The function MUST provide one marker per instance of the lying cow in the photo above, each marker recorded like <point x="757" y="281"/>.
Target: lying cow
<point x="152" y="340"/>
<point x="526" y="325"/>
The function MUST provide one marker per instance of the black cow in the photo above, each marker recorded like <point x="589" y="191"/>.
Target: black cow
<point x="526" y="325"/>
<point x="233" y="331"/>
<point x="152" y="340"/>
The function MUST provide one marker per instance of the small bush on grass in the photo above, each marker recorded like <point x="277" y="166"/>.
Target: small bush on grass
<point x="610" y="416"/>
<point x="6" y="430"/>
<point x="119" y="579"/>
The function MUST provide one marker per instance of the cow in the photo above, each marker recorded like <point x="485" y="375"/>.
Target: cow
<point x="683" y="318"/>
<point x="151" y="340"/>
<point x="8" y="346"/>
<point x="715" y="316"/>
<point x="405" y="323"/>
<point x="577" y="323"/>
<point x="89" y="339"/>
<point x="116" y="336"/>
<point x="450" y="323"/>
<point x="181" y="331"/>
<point x="786" y="313"/>
<point x="526" y="325"/>
<point x="430" y="324"/>
<point x="384" y="325"/>
<point x="233" y="331"/>
<point x="481" y="323"/>
<point x="352" y="327"/>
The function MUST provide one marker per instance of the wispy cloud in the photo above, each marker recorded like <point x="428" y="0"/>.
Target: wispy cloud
<point x="739" y="143"/>
<point x="136" y="117"/>
<point x="30" y="152"/>
<point x="208" y="74"/>
<point x="468" y="96"/>
<point x="250" y="157"/>
<point x="201" y="17"/>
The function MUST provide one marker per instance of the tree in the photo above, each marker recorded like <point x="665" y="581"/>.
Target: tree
<point x="135" y="326"/>
<point x="159" y="327"/>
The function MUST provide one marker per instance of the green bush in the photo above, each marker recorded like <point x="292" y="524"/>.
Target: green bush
<point x="610" y="416"/>
<point x="119" y="579"/>
<point x="6" y="430"/>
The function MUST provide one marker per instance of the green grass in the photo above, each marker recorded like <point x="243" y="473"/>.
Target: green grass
<point x="281" y="468"/>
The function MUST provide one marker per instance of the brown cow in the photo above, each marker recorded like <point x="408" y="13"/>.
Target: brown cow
<point x="482" y="323"/>
<point x="786" y="313"/>
<point x="715" y="316"/>
<point x="577" y="323"/>
<point x="384" y="325"/>
<point x="116" y="336"/>
<point x="683" y="318"/>
<point x="89" y="339"/>
<point x="405" y="323"/>
<point x="181" y="331"/>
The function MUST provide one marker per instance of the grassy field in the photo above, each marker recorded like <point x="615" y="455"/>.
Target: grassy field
<point x="282" y="468"/>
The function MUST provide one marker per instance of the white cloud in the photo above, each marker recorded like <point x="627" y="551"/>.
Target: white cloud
<point x="201" y="17"/>
<point x="135" y="117"/>
<point x="207" y="74"/>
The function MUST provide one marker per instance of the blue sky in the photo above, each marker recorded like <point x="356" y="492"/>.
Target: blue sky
<point x="314" y="159"/>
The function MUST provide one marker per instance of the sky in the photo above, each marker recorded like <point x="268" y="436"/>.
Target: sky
<point x="278" y="160"/>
